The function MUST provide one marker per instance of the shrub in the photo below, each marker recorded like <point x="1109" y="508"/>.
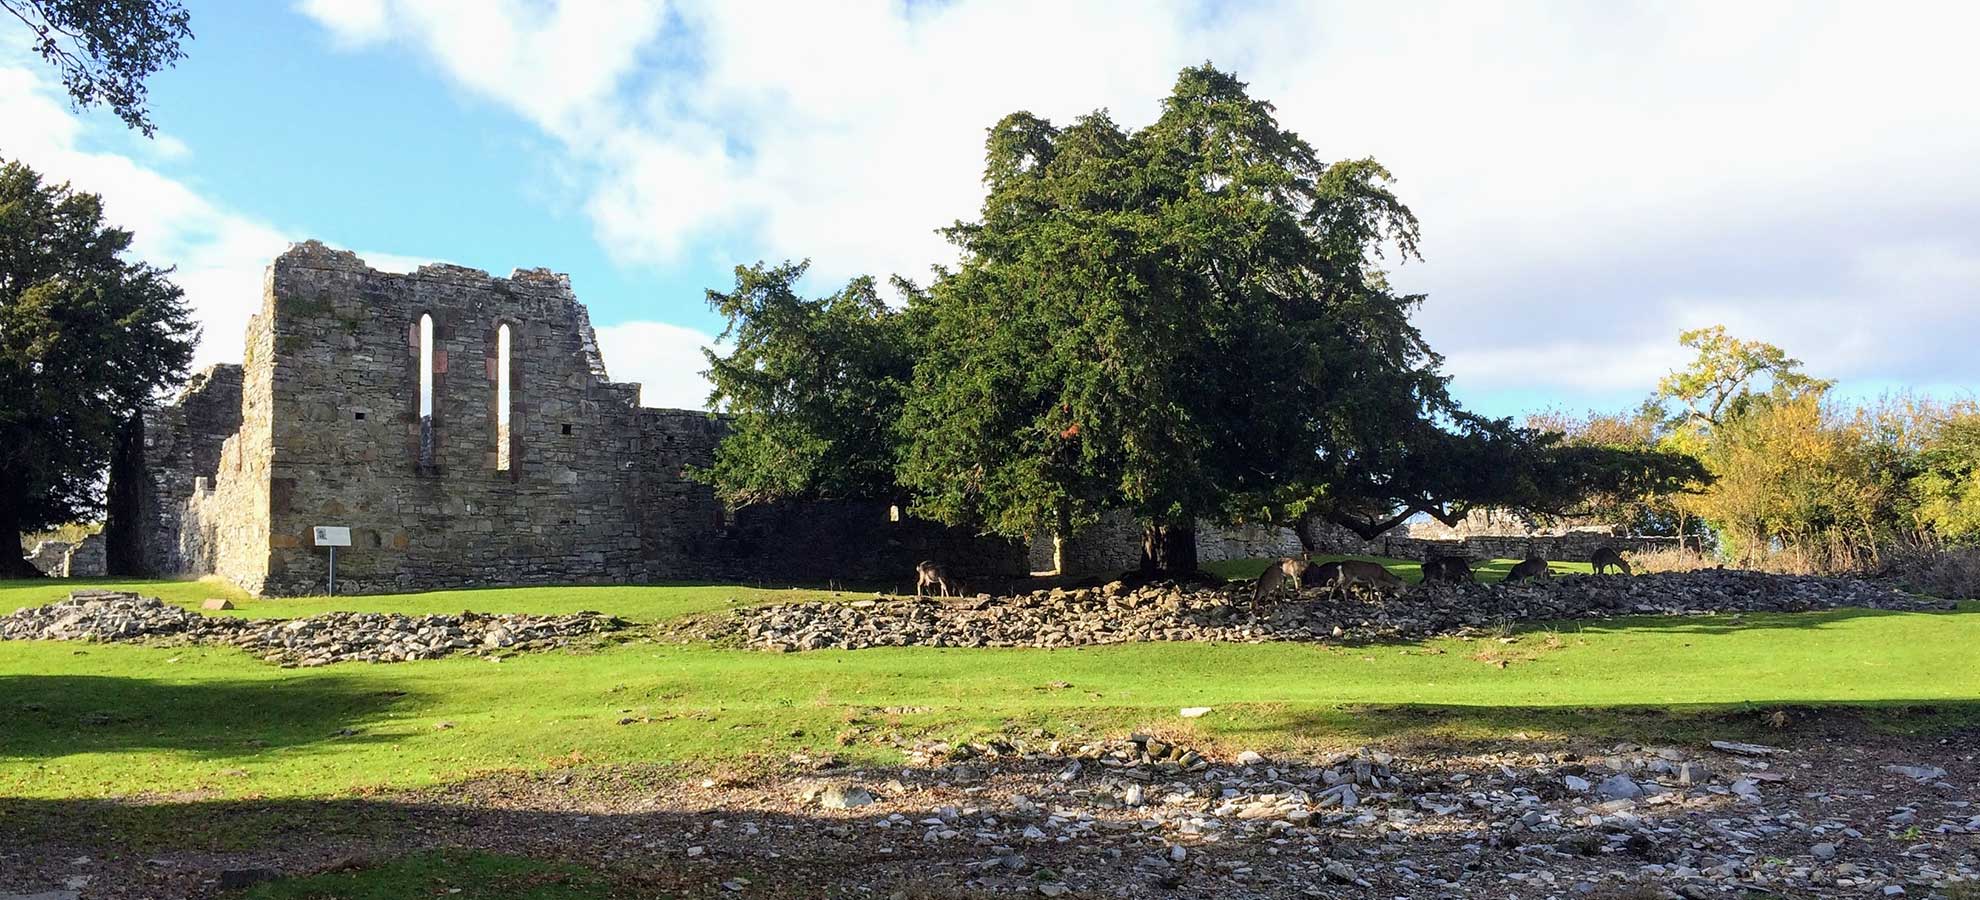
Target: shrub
<point x="1949" y="572"/>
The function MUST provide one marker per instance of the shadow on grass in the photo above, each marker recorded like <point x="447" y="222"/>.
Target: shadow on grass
<point x="1735" y="622"/>
<point x="57" y="715"/>
<point x="1761" y="720"/>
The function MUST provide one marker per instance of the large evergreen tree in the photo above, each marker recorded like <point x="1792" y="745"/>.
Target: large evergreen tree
<point x="814" y="386"/>
<point x="86" y="338"/>
<point x="1187" y="321"/>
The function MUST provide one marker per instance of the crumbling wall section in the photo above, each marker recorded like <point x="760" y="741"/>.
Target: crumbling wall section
<point x="224" y="524"/>
<point x="51" y="557"/>
<point x="690" y="534"/>
<point x="174" y="447"/>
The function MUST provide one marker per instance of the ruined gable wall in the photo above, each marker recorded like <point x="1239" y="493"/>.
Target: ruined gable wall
<point x="224" y="526"/>
<point x="177" y="444"/>
<point x="347" y="432"/>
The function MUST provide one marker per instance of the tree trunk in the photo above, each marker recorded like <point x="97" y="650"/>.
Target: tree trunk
<point x="1169" y="550"/>
<point x="1300" y="528"/>
<point x="13" y="563"/>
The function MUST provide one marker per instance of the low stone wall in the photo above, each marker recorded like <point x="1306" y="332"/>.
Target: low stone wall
<point x="87" y="559"/>
<point x="313" y="641"/>
<point x="1574" y="546"/>
<point x="1117" y="613"/>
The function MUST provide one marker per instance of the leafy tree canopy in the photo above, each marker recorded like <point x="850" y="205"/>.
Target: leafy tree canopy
<point x="814" y="384"/>
<point x="1721" y="379"/>
<point x="105" y="49"/>
<point x="86" y="339"/>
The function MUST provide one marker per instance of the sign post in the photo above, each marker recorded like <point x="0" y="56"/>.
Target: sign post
<point x="333" y="536"/>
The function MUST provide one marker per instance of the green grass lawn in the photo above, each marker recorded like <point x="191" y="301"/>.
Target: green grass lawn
<point x="86" y="720"/>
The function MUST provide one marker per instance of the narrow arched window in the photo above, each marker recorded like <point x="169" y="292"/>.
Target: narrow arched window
<point x="426" y="389"/>
<point x="502" y="399"/>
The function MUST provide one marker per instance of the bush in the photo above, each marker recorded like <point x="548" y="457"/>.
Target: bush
<point x="1671" y="559"/>
<point x="1949" y="572"/>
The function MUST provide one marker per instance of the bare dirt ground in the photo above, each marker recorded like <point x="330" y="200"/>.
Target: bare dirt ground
<point x="1866" y="816"/>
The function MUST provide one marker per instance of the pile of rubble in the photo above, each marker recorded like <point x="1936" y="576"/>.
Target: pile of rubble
<point x="1115" y="613"/>
<point x="311" y="641"/>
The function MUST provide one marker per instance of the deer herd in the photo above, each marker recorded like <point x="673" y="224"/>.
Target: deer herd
<point x="1340" y="577"/>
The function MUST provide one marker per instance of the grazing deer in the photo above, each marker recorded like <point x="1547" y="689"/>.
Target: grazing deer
<point x="1350" y="572"/>
<point x="1288" y="568"/>
<point x="930" y="572"/>
<point x="1606" y="558"/>
<point x="1454" y="569"/>
<point x="1528" y="569"/>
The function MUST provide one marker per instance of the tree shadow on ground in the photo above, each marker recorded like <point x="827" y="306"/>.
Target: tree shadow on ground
<point x="57" y="715"/>
<point x="1735" y="622"/>
<point x="1757" y="720"/>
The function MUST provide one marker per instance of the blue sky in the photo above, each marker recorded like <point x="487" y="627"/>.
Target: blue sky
<point x="1592" y="178"/>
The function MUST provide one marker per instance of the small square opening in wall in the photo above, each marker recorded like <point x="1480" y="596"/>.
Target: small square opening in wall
<point x="567" y="429"/>
<point x="359" y="415"/>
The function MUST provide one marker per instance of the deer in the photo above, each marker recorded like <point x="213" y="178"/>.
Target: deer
<point x="1349" y="572"/>
<point x="930" y="572"/>
<point x="1607" y="558"/>
<point x="1528" y="569"/>
<point x="1454" y="569"/>
<point x="1288" y="568"/>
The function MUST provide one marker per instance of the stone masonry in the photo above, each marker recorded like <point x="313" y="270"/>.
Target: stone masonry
<point x="321" y="425"/>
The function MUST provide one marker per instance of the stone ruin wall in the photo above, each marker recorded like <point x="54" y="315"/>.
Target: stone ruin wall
<point x="65" y="559"/>
<point x="348" y="432"/>
<point x="321" y="425"/>
<point x="1114" y="544"/>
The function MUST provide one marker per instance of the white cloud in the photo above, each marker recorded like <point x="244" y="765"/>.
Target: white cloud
<point x="220" y="254"/>
<point x="664" y="359"/>
<point x="1591" y="178"/>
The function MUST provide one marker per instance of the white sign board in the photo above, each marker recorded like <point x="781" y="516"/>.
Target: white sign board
<point x="332" y="536"/>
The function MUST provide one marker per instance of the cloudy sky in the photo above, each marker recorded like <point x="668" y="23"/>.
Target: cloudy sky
<point x="1592" y="177"/>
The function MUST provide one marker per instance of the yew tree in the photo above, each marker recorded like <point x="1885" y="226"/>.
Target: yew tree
<point x="86" y="339"/>
<point x="1160" y="320"/>
<point x="812" y="385"/>
<point x="1188" y="321"/>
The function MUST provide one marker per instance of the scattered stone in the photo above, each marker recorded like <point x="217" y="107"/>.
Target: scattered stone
<point x="217" y="604"/>
<point x="1619" y="787"/>
<point x="1919" y="773"/>
<point x="839" y="796"/>
<point x="1740" y="749"/>
<point x="1824" y="851"/>
<point x="1194" y="712"/>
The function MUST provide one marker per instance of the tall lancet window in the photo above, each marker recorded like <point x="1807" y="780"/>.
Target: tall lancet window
<point x="502" y="398"/>
<point x="426" y="389"/>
